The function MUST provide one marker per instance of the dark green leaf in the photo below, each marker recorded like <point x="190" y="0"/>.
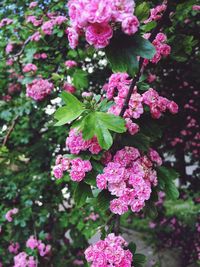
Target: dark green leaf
<point x="81" y="193"/>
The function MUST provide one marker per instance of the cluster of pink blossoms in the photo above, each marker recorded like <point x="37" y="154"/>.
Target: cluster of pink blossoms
<point x="30" y="67"/>
<point x="75" y="143"/>
<point x="117" y="89"/>
<point x="39" y="89"/>
<point x="48" y="26"/>
<point x="94" y="18"/>
<point x="156" y="13"/>
<point x="158" y="104"/>
<point x="10" y="213"/>
<point x="129" y="177"/>
<point x="162" y="49"/>
<point x="23" y="260"/>
<point x="77" y="168"/>
<point x="109" y="252"/>
<point x="33" y="243"/>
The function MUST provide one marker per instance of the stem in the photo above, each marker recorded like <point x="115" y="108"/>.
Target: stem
<point x="10" y="131"/>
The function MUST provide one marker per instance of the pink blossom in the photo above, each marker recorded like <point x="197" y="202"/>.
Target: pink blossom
<point x="30" y="67"/>
<point x="58" y="171"/>
<point x="70" y="63"/>
<point x="33" y="4"/>
<point x="79" y="168"/>
<point x="39" y="89"/>
<point x="76" y="143"/>
<point x="173" y="107"/>
<point x="59" y="20"/>
<point x="14" y="247"/>
<point x="5" y="22"/>
<point x="130" y="25"/>
<point x="35" y="37"/>
<point x="33" y="19"/>
<point x="9" y="48"/>
<point x="72" y="37"/>
<point x="43" y="249"/>
<point x="98" y="35"/>
<point x="196" y="7"/>
<point x="47" y="27"/>
<point x="154" y="156"/>
<point x="32" y="242"/>
<point x="151" y="78"/>
<point x="69" y="88"/>
<point x="10" y="213"/>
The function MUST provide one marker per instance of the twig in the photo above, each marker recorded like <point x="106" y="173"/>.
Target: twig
<point x="10" y="131"/>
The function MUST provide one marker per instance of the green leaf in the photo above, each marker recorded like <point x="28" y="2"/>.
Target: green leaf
<point x="103" y="200"/>
<point x="142" y="11"/>
<point x="123" y="51"/>
<point x="70" y="112"/>
<point x="81" y="193"/>
<point x="80" y="79"/>
<point x="166" y="177"/>
<point x="132" y="247"/>
<point x="139" y="259"/>
<point x="98" y="124"/>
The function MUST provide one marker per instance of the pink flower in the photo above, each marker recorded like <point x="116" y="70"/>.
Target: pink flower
<point x="43" y="249"/>
<point x="35" y="37"/>
<point x="132" y="127"/>
<point x="118" y="207"/>
<point x="10" y="213"/>
<point x="154" y="156"/>
<point x="39" y="89"/>
<point x="14" y="247"/>
<point x="58" y="171"/>
<point x="69" y="88"/>
<point x="130" y="25"/>
<point x="5" y="22"/>
<point x="98" y="35"/>
<point x="196" y="7"/>
<point x="9" y="48"/>
<point x="173" y="107"/>
<point x="47" y="27"/>
<point x="79" y="168"/>
<point x="32" y="242"/>
<point x="70" y="63"/>
<point x="30" y="67"/>
<point x="72" y="37"/>
<point x="33" y="4"/>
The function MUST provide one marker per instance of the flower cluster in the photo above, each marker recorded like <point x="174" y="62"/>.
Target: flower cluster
<point x="39" y="89"/>
<point x="30" y="67"/>
<point x="162" y="49"/>
<point x="10" y="213"/>
<point x="33" y="243"/>
<point x="158" y="104"/>
<point x="129" y="177"/>
<point x="156" y="13"/>
<point x="23" y="260"/>
<point x="117" y="89"/>
<point x="109" y="252"/>
<point x="48" y="26"/>
<point x="77" y="168"/>
<point x="94" y="18"/>
<point x="40" y="56"/>
<point x="75" y="143"/>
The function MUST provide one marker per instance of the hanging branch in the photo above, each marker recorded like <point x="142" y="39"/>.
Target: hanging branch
<point x="10" y="131"/>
